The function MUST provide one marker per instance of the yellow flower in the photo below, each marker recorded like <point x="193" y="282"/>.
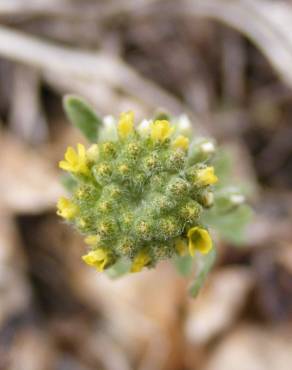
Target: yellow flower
<point x="99" y="258"/>
<point x="199" y="239"/>
<point x="206" y="176"/>
<point x="126" y="124"/>
<point x="181" y="247"/>
<point x="75" y="161"/>
<point x="92" y="240"/>
<point x="161" y="130"/>
<point x="181" y="142"/>
<point x="66" y="208"/>
<point x="140" y="260"/>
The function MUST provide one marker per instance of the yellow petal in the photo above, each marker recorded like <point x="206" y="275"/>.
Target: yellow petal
<point x="71" y="155"/>
<point x="81" y="151"/>
<point x="161" y="130"/>
<point x="140" y="260"/>
<point x="206" y="176"/>
<point x="199" y="239"/>
<point x="66" y="208"/>
<point x="66" y="166"/>
<point x="181" y="142"/>
<point x="126" y="124"/>
<point x="98" y="258"/>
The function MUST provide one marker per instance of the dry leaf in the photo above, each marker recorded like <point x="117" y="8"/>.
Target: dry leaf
<point x="254" y="348"/>
<point x="28" y="182"/>
<point x="218" y="304"/>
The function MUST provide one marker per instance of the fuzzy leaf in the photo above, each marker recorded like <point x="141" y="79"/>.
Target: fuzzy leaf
<point x="223" y="167"/>
<point x="231" y="226"/>
<point x="184" y="265"/>
<point x="120" y="268"/>
<point x="82" y="116"/>
<point x="69" y="182"/>
<point x="204" y="264"/>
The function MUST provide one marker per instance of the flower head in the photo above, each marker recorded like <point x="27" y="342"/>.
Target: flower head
<point x="66" y="209"/>
<point x="75" y="162"/>
<point x="181" y="142"/>
<point x="98" y="258"/>
<point x="126" y="124"/>
<point x="206" y="176"/>
<point x="161" y="130"/>
<point x="199" y="240"/>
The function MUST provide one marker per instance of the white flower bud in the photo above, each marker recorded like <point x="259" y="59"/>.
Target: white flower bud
<point x="208" y="147"/>
<point x="229" y="198"/>
<point x="108" y="130"/>
<point x="144" y="127"/>
<point x="184" y="125"/>
<point x="237" y="199"/>
<point x="201" y="150"/>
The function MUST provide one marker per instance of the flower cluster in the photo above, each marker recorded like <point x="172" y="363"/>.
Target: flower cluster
<point x="139" y="195"/>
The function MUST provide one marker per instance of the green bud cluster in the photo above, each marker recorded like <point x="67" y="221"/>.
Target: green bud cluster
<point x="138" y="196"/>
<point x="140" y="193"/>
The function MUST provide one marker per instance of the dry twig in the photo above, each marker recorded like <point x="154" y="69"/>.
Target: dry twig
<point x="86" y="67"/>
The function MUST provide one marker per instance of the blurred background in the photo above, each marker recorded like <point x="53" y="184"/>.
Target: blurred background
<point x="228" y="64"/>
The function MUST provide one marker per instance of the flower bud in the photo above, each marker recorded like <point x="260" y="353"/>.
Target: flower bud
<point x="108" y="130"/>
<point x="183" y="125"/>
<point x="93" y="153"/>
<point x="177" y="188"/>
<point x="228" y="199"/>
<point x="206" y="198"/>
<point x="102" y="173"/>
<point x="144" y="127"/>
<point x="201" y="150"/>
